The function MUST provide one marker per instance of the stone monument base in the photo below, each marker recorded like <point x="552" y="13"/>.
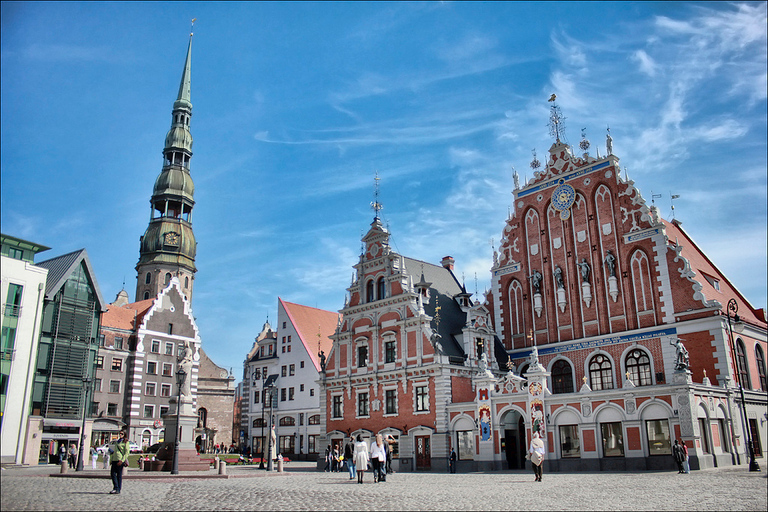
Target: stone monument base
<point x="184" y="423"/>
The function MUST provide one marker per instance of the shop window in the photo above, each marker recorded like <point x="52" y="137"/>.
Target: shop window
<point x="287" y="444"/>
<point x="659" y="441"/>
<point x="613" y="439"/>
<point x="570" y="445"/>
<point x="465" y="443"/>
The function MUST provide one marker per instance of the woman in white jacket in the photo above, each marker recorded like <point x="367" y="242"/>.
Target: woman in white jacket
<point x="378" y="458"/>
<point x="361" y="458"/>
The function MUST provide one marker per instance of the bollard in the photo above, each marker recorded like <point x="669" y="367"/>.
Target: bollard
<point x="222" y="467"/>
<point x="216" y="462"/>
<point x="279" y="465"/>
<point x="64" y="466"/>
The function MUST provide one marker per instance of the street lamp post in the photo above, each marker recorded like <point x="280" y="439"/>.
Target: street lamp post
<point x="271" y="389"/>
<point x="733" y="307"/>
<point x="180" y="376"/>
<point x="257" y="375"/>
<point x="87" y="385"/>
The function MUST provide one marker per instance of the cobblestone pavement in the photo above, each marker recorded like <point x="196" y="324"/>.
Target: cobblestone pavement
<point x="302" y="488"/>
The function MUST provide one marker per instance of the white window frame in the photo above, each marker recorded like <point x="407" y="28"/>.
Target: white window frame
<point x="416" y="385"/>
<point x="358" y="392"/>
<point x="397" y="401"/>
<point x="154" y="387"/>
<point x="144" y="411"/>
<point x="339" y="394"/>
<point x="151" y="373"/>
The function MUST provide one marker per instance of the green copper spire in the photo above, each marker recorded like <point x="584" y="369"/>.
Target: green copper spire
<point x="185" y="87"/>
<point x="168" y="246"/>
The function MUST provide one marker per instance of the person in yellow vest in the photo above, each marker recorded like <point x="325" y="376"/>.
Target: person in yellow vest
<point x="118" y="460"/>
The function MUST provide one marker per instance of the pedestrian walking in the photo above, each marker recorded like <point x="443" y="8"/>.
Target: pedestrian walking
<point x="62" y="452"/>
<point x="72" y="456"/>
<point x="686" y="466"/>
<point x="349" y="451"/>
<point x="327" y="459"/>
<point x="118" y="460"/>
<point x="361" y="458"/>
<point x="105" y="456"/>
<point x="536" y="452"/>
<point x="390" y="450"/>
<point x="679" y="455"/>
<point x="378" y="459"/>
<point x="453" y="461"/>
<point x="94" y="456"/>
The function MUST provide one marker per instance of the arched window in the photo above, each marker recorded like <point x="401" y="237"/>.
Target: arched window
<point x="639" y="368"/>
<point x="562" y="377"/>
<point x="287" y="421"/>
<point x="760" y="360"/>
<point x="600" y="373"/>
<point x="186" y="282"/>
<point x="148" y="278"/>
<point x="167" y="278"/>
<point x="742" y="365"/>
<point x="369" y="292"/>
<point x="146" y="295"/>
<point x="314" y="420"/>
<point x="202" y="418"/>
<point x="381" y="291"/>
<point x="259" y="422"/>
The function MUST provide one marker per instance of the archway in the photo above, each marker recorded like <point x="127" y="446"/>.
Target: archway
<point x="513" y="439"/>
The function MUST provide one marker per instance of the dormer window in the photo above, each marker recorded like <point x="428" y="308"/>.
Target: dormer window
<point x="713" y="281"/>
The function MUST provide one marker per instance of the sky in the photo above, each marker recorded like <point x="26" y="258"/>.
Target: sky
<point x="297" y="106"/>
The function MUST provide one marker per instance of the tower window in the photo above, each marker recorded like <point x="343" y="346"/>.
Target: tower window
<point x="186" y="282"/>
<point x="146" y="295"/>
<point x="167" y="278"/>
<point x="170" y="329"/>
<point x="148" y="278"/>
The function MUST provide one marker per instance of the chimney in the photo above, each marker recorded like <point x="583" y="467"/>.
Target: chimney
<point x="448" y="262"/>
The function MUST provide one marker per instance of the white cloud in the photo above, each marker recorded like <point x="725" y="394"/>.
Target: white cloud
<point x="647" y="65"/>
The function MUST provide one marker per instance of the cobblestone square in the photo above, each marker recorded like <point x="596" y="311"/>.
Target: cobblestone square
<point x="303" y="488"/>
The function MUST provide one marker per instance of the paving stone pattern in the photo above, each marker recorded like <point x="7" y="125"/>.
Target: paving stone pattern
<point x="302" y="488"/>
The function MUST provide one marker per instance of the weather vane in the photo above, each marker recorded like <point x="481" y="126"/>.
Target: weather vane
<point x="192" y="27"/>
<point x="535" y="164"/>
<point x="556" y="126"/>
<point x="584" y="144"/>
<point x="376" y="205"/>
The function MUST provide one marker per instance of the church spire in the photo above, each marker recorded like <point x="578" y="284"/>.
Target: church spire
<point x="168" y="247"/>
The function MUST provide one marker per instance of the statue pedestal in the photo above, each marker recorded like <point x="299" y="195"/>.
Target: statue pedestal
<point x="189" y="460"/>
<point x="682" y="377"/>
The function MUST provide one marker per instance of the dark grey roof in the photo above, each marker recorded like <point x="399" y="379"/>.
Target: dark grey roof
<point x="444" y="288"/>
<point x="59" y="269"/>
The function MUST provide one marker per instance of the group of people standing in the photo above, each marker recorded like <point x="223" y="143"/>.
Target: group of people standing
<point x="680" y="453"/>
<point x="358" y="456"/>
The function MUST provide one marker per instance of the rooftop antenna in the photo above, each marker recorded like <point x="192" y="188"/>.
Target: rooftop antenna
<point x="653" y="197"/>
<point x="476" y="285"/>
<point x="376" y="205"/>
<point x="673" y="197"/>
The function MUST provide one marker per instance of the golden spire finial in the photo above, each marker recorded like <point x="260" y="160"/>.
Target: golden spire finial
<point x="192" y="27"/>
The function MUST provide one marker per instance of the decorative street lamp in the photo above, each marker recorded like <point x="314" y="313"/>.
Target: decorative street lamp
<point x="256" y="375"/>
<point x="180" y="377"/>
<point x="87" y="385"/>
<point x="733" y="307"/>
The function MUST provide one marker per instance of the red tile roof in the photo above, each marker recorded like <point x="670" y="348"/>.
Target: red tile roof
<point x="308" y="323"/>
<point x="123" y="317"/>
<point x="702" y="265"/>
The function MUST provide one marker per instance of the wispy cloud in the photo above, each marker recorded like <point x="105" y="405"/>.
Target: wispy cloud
<point x="647" y="65"/>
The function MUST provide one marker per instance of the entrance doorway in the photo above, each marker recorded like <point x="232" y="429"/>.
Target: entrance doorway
<point x="514" y="439"/>
<point x="423" y="453"/>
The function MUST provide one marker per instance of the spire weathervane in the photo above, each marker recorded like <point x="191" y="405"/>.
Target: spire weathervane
<point x="192" y="27"/>
<point x="376" y="205"/>
<point x="556" y="126"/>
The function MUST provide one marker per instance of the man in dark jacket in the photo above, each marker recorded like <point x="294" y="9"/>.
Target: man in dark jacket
<point x="679" y="455"/>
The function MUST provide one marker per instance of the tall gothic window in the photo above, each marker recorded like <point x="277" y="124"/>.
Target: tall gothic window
<point x="639" y="368"/>
<point x="600" y="373"/>
<point x="562" y="377"/>
<point x="369" y="292"/>
<point x="148" y="278"/>
<point x="382" y="288"/>
<point x="742" y="366"/>
<point x="760" y="360"/>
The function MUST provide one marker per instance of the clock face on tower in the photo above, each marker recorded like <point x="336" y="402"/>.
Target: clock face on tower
<point x="172" y="238"/>
<point x="563" y="198"/>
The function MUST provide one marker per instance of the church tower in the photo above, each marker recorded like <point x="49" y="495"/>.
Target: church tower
<point x="168" y="246"/>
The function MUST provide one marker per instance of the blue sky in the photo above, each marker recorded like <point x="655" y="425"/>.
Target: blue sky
<point x="297" y="105"/>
